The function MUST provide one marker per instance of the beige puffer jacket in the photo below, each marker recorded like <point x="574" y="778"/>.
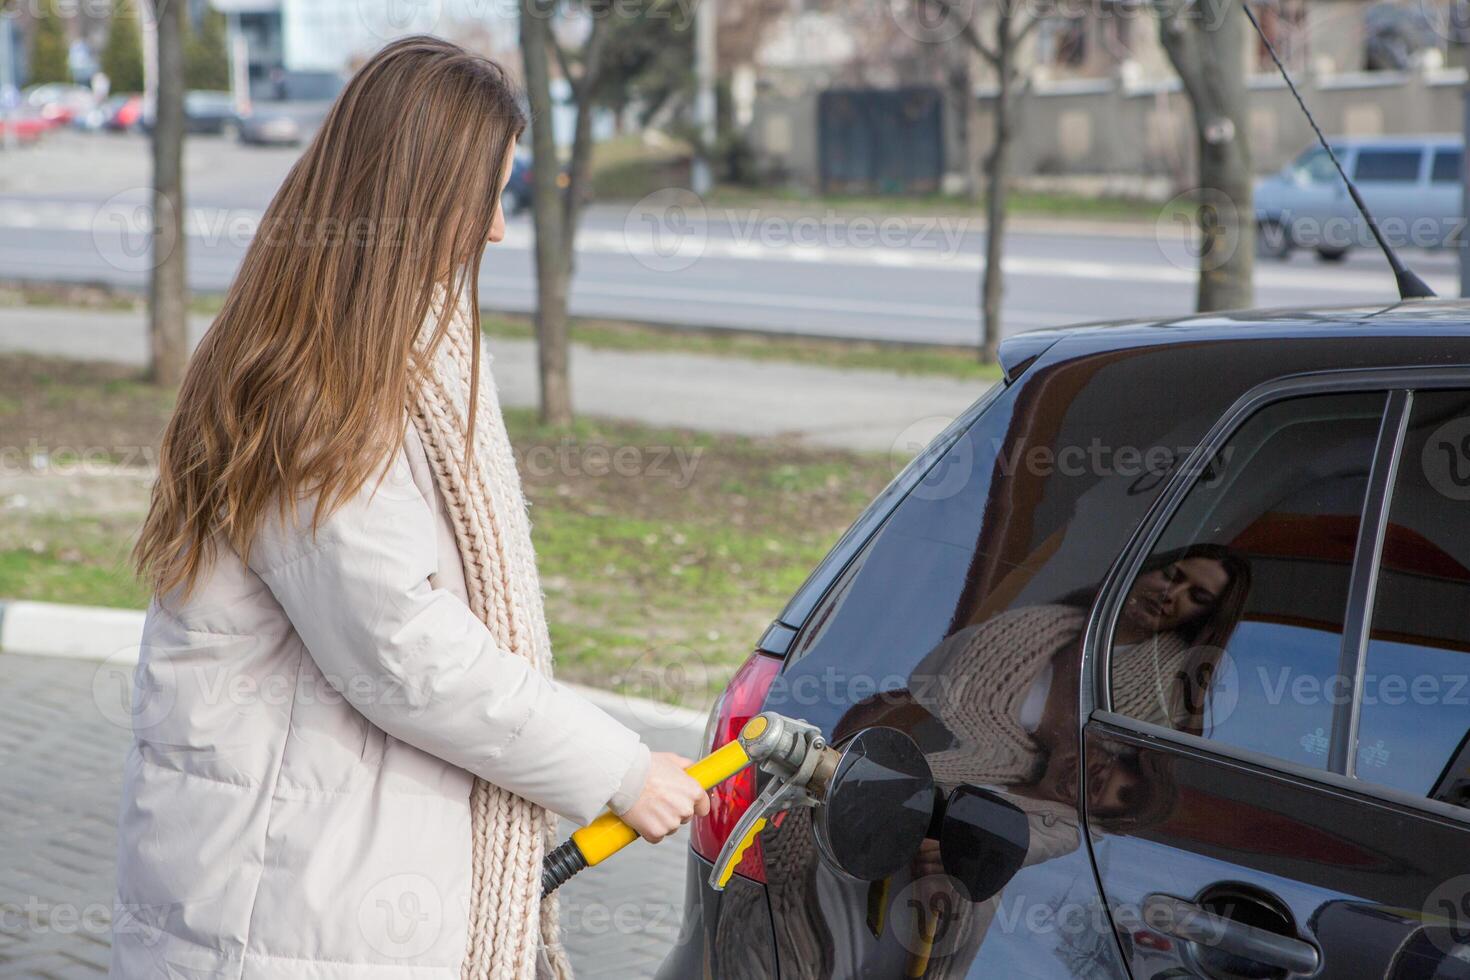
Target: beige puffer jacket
<point x="296" y="800"/>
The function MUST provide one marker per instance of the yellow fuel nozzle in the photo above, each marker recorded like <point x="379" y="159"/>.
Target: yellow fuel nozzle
<point x="774" y="742"/>
<point x="796" y="756"/>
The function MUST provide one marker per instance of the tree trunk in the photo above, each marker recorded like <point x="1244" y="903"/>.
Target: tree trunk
<point x="1227" y="241"/>
<point x="967" y="118"/>
<point x="553" y="242"/>
<point x="992" y="284"/>
<point x="168" y="308"/>
<point x="1205" y="42"/>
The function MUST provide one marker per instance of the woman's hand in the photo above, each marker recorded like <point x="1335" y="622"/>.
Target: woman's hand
<point x="670" y="797"/>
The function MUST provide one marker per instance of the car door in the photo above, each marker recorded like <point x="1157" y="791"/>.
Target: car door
<point x="1316" y="203"/>
<point x="1281" y="742"/>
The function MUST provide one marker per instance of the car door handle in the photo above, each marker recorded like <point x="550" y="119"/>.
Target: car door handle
<point x="1188" y="922"/>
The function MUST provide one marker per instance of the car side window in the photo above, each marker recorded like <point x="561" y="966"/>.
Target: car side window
<point x="1389" y="166"/>
<point x="1232" y="627"/>
<point x="1316" y="166"/>
<point x="1415" y="717"/>
<point x="1446" y="166"/>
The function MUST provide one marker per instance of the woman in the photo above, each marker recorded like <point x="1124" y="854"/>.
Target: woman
<point x="347" y="743"/>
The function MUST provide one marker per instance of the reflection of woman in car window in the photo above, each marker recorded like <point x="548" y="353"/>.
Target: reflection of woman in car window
<point x="993" y="685"/>
<point x="1175" y="621"/>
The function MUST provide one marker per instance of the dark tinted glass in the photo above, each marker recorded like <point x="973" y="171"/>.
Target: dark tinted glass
<point x="1446" y="167"/>
<point x="1416" y="685"/>
<point x="1233" y="628"/>
<point x="1395" y="166"/>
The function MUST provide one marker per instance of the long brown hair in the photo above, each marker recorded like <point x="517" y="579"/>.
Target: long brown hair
<point x="302" y="384"/>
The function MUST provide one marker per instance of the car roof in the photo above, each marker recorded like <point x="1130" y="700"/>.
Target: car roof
<point x="1422" y="318"/>
<point x="1409" y="139"/>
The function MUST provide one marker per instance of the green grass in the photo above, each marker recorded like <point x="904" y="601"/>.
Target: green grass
<point x="1019" y="204"/>
<point x="80" y="559"/>
<point x="953" y="362"/>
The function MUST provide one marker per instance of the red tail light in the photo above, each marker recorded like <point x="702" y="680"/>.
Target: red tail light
<point x="741" y="701"/>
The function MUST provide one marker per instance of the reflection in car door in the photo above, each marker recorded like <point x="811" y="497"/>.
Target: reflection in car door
<point x="1285" y="658"/>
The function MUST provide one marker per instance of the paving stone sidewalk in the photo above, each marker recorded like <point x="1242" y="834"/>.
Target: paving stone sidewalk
<point x="61" y="758"/>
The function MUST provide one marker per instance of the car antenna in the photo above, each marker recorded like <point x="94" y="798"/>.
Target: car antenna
<point x="1410" y="285"/>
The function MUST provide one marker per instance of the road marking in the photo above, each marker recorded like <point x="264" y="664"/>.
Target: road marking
<point x="214" y="224"/>
<point x="781" y="301"/>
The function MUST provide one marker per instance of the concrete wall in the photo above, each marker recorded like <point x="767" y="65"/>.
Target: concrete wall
<point x="1093" y="127"/>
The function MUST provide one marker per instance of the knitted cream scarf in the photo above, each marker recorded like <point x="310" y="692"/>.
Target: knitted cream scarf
<point x="987" y="671"/>
<point x="510" y="927"/>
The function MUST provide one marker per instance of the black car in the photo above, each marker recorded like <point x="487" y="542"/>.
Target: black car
<point x="516" y="197"/>
<point x="207" y="112"/>
<point x="1179" y="616"/>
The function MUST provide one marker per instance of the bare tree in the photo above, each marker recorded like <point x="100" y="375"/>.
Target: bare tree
<point x="1205" y="41"/>
<point x="558" y="203"/>
<point x="168" y="308"/>
<point x="997" y="41"/>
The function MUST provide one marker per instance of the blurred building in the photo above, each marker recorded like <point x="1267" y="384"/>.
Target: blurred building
<point x="302" y="49"/>
<point x="1103" y="110"/>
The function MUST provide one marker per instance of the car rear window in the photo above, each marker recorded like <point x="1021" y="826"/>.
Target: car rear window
<point x="1232" y="628"/>
<point x="1389" y="166"/>
<point x="1415" y="718"/>
<point x="1446" y="169"/>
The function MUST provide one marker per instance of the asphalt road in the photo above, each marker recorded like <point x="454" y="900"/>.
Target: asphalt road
<point x="71" y="210"/>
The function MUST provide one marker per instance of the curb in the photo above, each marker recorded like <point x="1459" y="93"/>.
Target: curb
<point x="51" y="629"/>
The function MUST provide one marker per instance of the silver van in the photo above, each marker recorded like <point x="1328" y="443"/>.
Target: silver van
<point x="1411" y="184"/>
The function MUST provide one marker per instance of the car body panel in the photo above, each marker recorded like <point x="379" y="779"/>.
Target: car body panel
<point x="724" y="934"/>
<point x="1025" y="507"/>
<point x="1353" y="871"/>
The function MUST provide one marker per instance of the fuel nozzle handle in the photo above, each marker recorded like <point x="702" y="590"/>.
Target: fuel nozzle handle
<point x="800" y="764"/>
<point x="608" y="834"/>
